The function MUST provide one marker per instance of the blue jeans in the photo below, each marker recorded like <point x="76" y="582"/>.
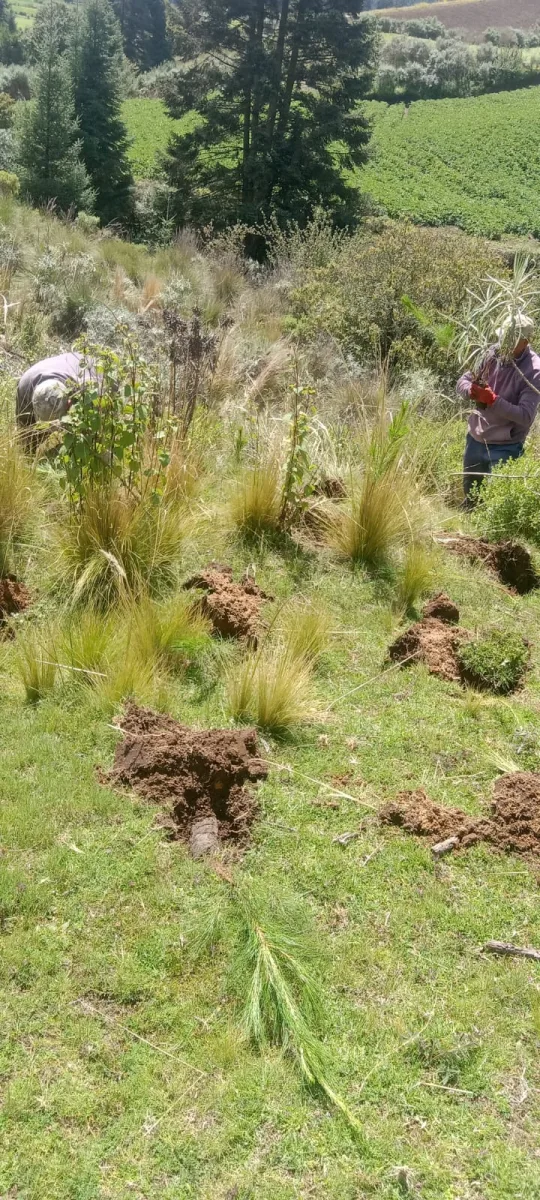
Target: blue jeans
<point x="481" y="457"/>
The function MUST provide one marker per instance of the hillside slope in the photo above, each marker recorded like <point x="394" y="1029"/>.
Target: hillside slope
<point x="474" y="15"/>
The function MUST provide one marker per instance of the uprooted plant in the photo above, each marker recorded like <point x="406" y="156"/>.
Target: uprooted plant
<point x="498" y="313"/>
<point x="274" y="975"/>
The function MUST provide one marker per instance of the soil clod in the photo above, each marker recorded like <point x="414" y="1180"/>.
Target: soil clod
<point x="510" y="561"/>
<point x="14" y="597"/>
<point x="442" y="608"/>
<point x="199" y="776"/>
<point x="512" y="826"/>
<point x="433" y="642"/>
<point x="234" y="609"/>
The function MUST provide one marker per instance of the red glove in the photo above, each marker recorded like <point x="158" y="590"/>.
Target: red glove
<point x="484" y="395"/>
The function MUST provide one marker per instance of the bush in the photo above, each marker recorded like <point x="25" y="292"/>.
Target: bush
<point x="508" y="501"/>
<point x="357" y="298"/>
<point x="494" y="662"/>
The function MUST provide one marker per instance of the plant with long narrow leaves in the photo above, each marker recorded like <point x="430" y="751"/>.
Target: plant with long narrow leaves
<point x="274" y="973"/>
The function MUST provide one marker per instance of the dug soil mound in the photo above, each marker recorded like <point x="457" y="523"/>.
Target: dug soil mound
<point x="442" y="608"/>
<point x="510" y="561"/>
<point x="199" y="776"/>
<point x="432" y="642"/>
<point x="513" y="824"/>
<point x="14" y="597"/>
<point x="233" y="609"/>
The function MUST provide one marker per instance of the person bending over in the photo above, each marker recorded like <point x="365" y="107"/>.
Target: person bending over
<point x="506" y="394"/>
<point x="46" y="391"/>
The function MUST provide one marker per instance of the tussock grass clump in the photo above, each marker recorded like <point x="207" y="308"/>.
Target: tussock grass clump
<point x="306" y="631"/>
<point x="36" y="664"/>
<point x="415" y="576"/>
<point x="85" y="642"/>
<point x="130" y="678"/>
<point x="379" y="518"/>
<point x="256" y="503"/>
<point x="118" y="546"/>
<point x="271" y="687"/>
<point x="19" y="497"/>
<point x="170" y="633"/>
<point x="495" y="661"/>
<point x="274" y="974"/>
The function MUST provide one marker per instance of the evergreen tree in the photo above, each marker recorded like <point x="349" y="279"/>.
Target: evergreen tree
<point x="277" y="83"/>
<point x="50" y="148"/>
<point x="97" y="62"/>
<point x="11" y="48"/>
<point x="144" y="30"/>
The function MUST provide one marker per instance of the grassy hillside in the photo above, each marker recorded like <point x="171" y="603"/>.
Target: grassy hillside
<point x="460" y="162"/>
<point x="125" y="1064"/>
<point x="150" y="128"/>
<point x="473" y="15"/>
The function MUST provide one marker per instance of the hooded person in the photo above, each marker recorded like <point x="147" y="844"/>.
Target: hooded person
<point x="506" y="392"/>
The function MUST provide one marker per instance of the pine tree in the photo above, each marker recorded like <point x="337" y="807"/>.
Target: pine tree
<point x="144" y="30"/>
<point x="278" y="85"/>
<point x="97" y="62"/>
<point x="50" y="149"/>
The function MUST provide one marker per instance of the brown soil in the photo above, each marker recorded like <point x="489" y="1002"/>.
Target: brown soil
<point x="442" y="608"/>
<point x="198" y="775"/>
<point x="14" y="597"/>
<point x="234" y="609"/>
<point x="432" y="642"/>
<point x="331" y="487"/>
<point x="510" y="561"/>
<point x="513" y="825"/>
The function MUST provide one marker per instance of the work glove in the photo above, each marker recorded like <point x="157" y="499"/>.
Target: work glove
<point x="483" y="395"/>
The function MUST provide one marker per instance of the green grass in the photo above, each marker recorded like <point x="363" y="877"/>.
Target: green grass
<point x="459" y="162"/>
<point x="150" y="127"/>
<point x="124" y="1069"/>
<point x="24" y="12"/>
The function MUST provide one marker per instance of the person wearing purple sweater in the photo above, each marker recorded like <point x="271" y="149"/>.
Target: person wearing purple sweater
<point x="507" y="395"/>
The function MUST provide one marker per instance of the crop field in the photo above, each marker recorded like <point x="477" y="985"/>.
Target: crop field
<point x="460" y="162"/>
<point x="473" y="15"/>
<point x="25" y="11"/>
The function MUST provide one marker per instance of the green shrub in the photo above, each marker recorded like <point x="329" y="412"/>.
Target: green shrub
<point x="508" y="502"/>
<point x="495" y="661"/>
<point x="357" y="297"/>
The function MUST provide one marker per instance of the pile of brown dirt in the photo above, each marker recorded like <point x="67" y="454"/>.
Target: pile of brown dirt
<point x="510" y="561"/>
<point x="198" y="775"/>
<point x="433" y="642"/>
<point x="513" y="825"/>
<point x="234" y="609"/>
<point x="14" y="597"/>
<point x="442" y="608"/>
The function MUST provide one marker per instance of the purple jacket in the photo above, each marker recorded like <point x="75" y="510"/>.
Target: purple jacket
<point x="63" y="367"/>
<point x="511" y="417"/>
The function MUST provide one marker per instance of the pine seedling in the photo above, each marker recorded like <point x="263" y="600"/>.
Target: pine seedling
<point x="274" y="973"/>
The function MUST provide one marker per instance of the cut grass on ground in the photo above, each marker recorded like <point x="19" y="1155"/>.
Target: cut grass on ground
<point x="123" y="1066"/>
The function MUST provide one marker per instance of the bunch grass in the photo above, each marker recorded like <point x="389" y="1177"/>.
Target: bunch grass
<point x="255" y="505"/>
<point x="272" y="687"/>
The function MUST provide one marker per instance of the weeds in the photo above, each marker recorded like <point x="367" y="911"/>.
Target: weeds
<point x="415" y="576"/>
<point x="256" y="503"/>
<point x="35" y="663"/>
<point x="118" y="546"/>
<point x="273" y="972"/>
<point x="19" y="498"/>
<point x="306" y="632"/>
<point x="496" y="661"/>
<point x="272" y="687"/>
<point x="169" y="633"/>
<point x="85" y="643"/>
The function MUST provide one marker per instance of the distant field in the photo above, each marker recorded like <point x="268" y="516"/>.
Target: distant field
<point x="25" y="11"/>
<point x="473" y="15"/>
<point x="150" y="127"/>
<point x="459" y="162"/>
